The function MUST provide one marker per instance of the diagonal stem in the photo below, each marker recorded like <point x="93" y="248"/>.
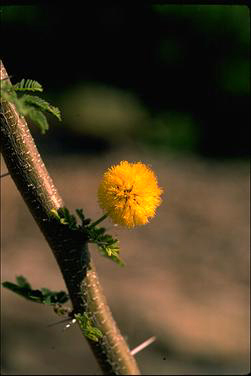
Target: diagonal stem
<point x="40" y="194"/>
<point x="98" y="221"/>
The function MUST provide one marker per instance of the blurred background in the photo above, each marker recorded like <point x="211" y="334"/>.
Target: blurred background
<point x="167" y="85"/>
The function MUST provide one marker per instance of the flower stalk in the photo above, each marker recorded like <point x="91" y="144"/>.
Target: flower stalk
<point x="41" y="196"/>
<point x="101" y="219"/>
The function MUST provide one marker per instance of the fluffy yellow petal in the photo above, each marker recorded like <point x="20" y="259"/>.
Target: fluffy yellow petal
<point x="129" y="193"/>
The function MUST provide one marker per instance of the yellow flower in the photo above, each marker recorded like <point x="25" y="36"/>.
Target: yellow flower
<point x="129" y="193"/>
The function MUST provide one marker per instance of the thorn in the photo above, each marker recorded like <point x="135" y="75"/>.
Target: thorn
<point x="6" y="174"/>
<point x="58" y="322"/>
<point x="143" y="345"/>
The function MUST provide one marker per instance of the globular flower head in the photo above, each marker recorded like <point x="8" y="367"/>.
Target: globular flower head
<point x="129" y="193"/>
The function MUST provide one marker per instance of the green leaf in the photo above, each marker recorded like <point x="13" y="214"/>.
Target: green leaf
<point x="44" y="296"/>
<point x="29" y="105"/>
<point x="29" y="85"/>
<point x="85" y="221"/>
<point x="53" y="297"/>
<point x="107" y="245"/>
<point x="22" y="282"/>
<point x="89" y="331"/>
<point x="33" y="295"/>
<point x="100" y="231"/>
<point x="39" y="119"/>
<point x="55" y="214"/>
<point x="41" y="104"/>
<point x="7" y="93"/>
<point x="97" y="332"/>
<point x="67" y="219"/>
<point x="111" y="252"/>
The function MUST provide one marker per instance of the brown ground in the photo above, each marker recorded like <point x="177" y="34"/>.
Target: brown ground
<point x="186" y="279"/>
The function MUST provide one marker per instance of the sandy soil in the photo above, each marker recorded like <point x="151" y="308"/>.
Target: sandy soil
<point x="186" y="279"/>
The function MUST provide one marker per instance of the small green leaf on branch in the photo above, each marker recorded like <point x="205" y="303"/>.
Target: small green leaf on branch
<point x="88" y="329"/>
<point x="107" y="245"/>
<point x="29" y="105"/>
<point x="44" y="295"/>
<point x="22" y="282"/>
<point x="38" y="103"/>
<point x="29" y="85"/>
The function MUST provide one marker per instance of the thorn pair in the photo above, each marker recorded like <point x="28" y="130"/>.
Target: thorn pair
<point x="137" y="349"/>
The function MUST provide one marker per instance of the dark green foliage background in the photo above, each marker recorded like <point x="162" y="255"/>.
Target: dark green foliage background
<point x="188" y="66"/>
